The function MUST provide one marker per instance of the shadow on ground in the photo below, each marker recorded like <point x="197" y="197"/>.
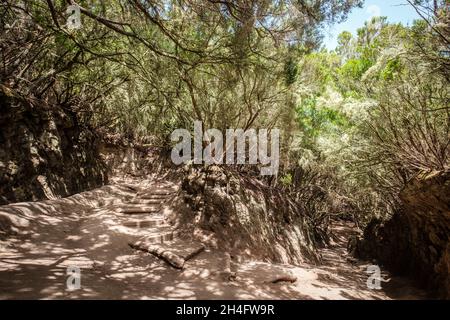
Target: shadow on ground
<point x="42" y="239"/>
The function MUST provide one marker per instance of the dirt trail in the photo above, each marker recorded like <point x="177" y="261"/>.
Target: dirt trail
<point x="92" y="230"/>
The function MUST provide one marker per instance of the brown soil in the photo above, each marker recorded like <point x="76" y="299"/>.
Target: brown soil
<point x="87" y="231"/>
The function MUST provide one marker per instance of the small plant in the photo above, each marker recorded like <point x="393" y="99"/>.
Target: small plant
<point x="286" y="180"/>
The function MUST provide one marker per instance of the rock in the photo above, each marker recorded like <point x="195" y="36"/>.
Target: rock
<point x="45" y="153"/>
<point x="415" y="241"/>
<point x="248" y="217"/>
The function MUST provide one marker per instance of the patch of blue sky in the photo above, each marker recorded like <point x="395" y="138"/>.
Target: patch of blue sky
<point x="395" y="10"/>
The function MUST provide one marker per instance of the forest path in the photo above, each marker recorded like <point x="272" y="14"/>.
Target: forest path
<point x="92" y="231"/>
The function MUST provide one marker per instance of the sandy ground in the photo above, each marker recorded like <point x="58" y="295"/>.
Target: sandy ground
<point x="80" y="231"/>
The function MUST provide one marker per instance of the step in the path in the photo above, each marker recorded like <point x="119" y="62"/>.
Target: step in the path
<point x="151" y="196"/>
<point x="145" y="201"/>
<point x="161" y="235"/>
<point x="176" y="253"/>
<point x="160" y="191"/>
<point x="145" y="223"/>
<point x="156" y="235"/>
<point x="138" y="209"/>
<point x="161" y="194"/>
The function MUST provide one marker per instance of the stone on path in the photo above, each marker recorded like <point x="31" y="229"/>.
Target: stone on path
<point x="138" y="209"/>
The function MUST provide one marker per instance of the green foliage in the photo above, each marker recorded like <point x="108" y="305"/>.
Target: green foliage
<point x="317" y="121"/>
<point x="290" y="71"/>
<point x="391" y="69"/>
<point x="286" y="180"/>
<point x="356" y="123"/>
<point x="373" y="120"/>
<point x="355" y="68"/>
